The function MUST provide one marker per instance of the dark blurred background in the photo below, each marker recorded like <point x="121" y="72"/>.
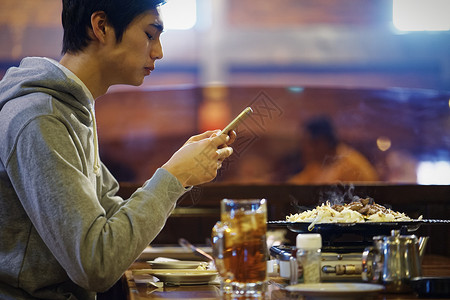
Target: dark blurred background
<point x="386" y="90"/>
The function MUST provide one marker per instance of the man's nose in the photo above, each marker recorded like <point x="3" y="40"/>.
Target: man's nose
<point x="156" y="51"/>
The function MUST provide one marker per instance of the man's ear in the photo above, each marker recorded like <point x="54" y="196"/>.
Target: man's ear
<point x="100" y="26"/>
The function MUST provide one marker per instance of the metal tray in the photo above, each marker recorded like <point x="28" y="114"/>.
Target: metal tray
<point x="353" y="237"/>
<point x="367" y="228"/>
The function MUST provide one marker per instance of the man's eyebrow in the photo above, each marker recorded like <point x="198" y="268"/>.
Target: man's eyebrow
<point x="158" y="26"/>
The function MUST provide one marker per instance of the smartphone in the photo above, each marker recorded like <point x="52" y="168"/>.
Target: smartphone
<point x="241" y="117"/>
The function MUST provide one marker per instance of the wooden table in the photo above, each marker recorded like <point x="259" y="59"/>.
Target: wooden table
<point x="137" y="290"/>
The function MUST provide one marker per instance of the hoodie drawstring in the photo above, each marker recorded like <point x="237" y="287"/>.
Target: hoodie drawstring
<point x="96" y="154"/>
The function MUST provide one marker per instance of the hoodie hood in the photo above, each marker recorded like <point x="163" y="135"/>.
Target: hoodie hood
<point x="40" y="75"/>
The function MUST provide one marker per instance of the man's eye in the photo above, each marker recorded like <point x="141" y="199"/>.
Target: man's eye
<point x="149" y="36"/>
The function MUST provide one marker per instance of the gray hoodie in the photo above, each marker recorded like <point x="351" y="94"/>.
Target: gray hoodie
<point x="64" y="234"/>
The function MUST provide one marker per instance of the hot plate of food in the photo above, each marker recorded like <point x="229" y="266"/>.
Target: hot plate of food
<point x="362" y="215"/>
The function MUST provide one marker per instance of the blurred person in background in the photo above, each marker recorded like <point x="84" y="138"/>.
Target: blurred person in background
<point x="64" y="232"/>
<point x="327" y="160"/>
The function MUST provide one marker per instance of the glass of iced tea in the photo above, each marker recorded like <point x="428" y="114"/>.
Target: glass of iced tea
<point x="240" y="248"/>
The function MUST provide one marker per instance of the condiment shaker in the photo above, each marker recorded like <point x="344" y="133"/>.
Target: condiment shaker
<point x="309" y="256"/>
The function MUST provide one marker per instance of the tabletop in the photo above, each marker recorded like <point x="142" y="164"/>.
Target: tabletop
<point x="139" y="287"/>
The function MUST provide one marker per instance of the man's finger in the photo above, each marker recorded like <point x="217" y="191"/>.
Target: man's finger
<point x="220" y="140"/>
<point x="223" y="153"/>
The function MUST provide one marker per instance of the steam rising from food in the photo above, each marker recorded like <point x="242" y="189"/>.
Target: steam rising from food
<point x="359" y="210"/>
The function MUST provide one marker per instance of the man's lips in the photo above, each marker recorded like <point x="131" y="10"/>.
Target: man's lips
<point x="148" y="70"/>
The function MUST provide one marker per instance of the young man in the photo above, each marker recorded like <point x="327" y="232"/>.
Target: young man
<point x="64" y="234"/>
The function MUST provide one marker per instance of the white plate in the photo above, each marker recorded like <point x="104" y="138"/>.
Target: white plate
<point x="184" y="277"/>
<point x="181" y="264"/>
<point x="335" y="290"/>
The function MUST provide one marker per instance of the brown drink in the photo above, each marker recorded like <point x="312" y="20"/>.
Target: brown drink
<point x="244" y="254"/>
<point x="240" y="248"/>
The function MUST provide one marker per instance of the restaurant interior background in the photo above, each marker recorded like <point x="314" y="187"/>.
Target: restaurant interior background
<point x="387" y="90"/>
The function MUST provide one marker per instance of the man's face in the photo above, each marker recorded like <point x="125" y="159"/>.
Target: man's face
<point x="134" y="56"/>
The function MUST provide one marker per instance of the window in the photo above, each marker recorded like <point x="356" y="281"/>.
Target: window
<point x="433" y="172"/>
<point x="179" y="14"/>
<point x="421" y="15"/>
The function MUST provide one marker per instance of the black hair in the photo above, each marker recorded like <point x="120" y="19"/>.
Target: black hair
<point x="321" y="127"/>
<point x="76" y="18"/>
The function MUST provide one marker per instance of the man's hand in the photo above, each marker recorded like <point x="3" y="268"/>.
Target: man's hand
<point x="198" y="160"/>
<point x="207" y="134"/>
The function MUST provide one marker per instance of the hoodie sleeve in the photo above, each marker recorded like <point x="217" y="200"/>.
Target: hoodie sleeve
<point x="93" y="234"/>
